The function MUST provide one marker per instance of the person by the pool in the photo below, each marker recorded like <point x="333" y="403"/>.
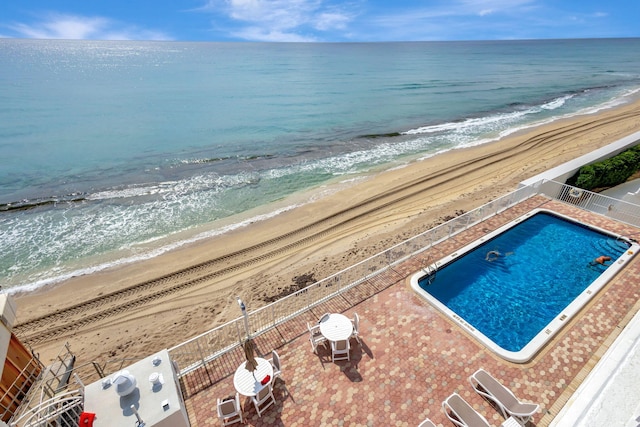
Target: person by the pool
<point x="601" y="260"/>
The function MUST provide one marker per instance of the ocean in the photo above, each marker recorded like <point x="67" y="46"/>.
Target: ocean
<point x="114" y="151"/>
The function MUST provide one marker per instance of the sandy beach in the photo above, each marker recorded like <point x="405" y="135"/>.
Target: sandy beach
<point x="132" y="311"/>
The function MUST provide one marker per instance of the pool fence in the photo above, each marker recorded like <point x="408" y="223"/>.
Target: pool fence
<point x="205" y="348"/>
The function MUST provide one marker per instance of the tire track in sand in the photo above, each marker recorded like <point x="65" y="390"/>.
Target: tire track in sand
<point x="64" y="321"/>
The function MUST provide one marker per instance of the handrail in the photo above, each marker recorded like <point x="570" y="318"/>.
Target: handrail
<point x="53" y="411"/>
<point x="20" y="387"/>
<point x="430" y="270"/>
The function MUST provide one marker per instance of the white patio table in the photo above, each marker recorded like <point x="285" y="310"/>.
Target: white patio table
<point x="336" y="327"/>
<point x="248" y="383"/>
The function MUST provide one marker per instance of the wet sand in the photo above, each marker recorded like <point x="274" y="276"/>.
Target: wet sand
<point x="268" y="259"/>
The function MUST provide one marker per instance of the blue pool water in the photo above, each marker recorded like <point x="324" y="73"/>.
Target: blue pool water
<point x="544" y="263"/>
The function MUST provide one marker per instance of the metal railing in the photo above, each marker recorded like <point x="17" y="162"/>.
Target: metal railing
<point x="48" y="381"/>
<point x="56" y="397"/>
<point x="204" y="348"/>
<point x="62" y="410"/>
<point x="18" y="391"/>
<point x="200" y="350"/>
<point x="197" y="352"/>
<point x="613" y="208"/>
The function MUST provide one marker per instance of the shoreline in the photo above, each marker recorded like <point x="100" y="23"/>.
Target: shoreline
<point x="450" y="182"/>
<point x="158" y="246"/>
<point x="129" y="253"/>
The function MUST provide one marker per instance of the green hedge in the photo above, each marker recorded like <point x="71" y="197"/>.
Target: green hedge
<point x="609" y="172"/>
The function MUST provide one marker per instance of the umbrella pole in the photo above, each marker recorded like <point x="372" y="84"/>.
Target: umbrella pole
<point x="249" y="349"/>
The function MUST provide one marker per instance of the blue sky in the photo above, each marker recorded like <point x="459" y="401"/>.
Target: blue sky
<point x="318" y="20"/>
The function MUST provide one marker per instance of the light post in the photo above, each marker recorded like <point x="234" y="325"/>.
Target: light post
<point x="243" y="308"/>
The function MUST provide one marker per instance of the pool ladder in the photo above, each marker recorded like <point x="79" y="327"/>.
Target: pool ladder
<point x="628" y="237"/>
<point x="430" y="270"/>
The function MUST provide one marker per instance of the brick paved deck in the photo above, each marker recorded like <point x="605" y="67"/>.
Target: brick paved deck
<point x="412" y="357"/>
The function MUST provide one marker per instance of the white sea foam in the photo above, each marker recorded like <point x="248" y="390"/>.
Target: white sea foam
<point x="132" y="191"/>
<point x="194" y="183"/>
<point x="476" y="124"/>
<point x="57" y="274"/>
<point x="556" y="103"/>
<point x="470" y="123"/>
<point x="610" y="103"/>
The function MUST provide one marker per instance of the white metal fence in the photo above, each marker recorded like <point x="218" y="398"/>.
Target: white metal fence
<point x="598" y="203"/>
<point x="62" y="410"/>
<point x="204" y="348"/>
<point x="200" y="350"/>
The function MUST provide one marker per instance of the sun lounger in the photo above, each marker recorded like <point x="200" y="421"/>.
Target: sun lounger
<point x="507" y="403"/>
<point x="427" y="423"/>
<point x="461" y="413"/>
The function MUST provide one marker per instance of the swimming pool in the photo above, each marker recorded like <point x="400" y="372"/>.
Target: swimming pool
<point x="516" y="287"/>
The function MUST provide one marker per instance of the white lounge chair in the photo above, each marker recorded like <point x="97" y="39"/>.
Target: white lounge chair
<point x="263" y="399"/>
<point x="340" y="350"/>
<point x="315" y="337"/>
<point x="508" y="404"/>
<point x="229" y="410"/>
<point x="275" y="363"/>
<point x="461" y="413"/>
<point x="356" y="327"/>
<point x="427" y="423"/>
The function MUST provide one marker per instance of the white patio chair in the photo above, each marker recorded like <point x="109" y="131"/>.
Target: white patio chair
<point x="356" y="327"/>
<point x="275" y="363"/>
<point x="229" y="410"/>
<point x="340" y="350"/>
<point x="461" y="413"/>
<point x="263" y="399"/>
<point x="324" y="316"/>
<point x="315" y="337"/>
<point x="507" y="402"/>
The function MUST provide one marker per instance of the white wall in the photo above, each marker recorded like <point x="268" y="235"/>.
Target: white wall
<point x="566" y="170"/>
<point x="7" y="319"/>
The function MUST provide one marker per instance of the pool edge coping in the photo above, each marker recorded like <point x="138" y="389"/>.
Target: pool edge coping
<point x="538" y="342"/>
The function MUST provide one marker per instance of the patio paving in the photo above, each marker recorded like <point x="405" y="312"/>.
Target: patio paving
<point x="412" y="357"/>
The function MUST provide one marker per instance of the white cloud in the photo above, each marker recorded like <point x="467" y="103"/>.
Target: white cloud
<point x="473" y="7"/>
<point x="261" y="34"/>
<point x="285" y="13"/>
<point x="332" y="21"/>
<point x="454" y="20"/>
<point x="281" y="20"/>
<point x="76" y="27"/>
<point x="317" y="20"/>
<point x="61" y="27"/>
